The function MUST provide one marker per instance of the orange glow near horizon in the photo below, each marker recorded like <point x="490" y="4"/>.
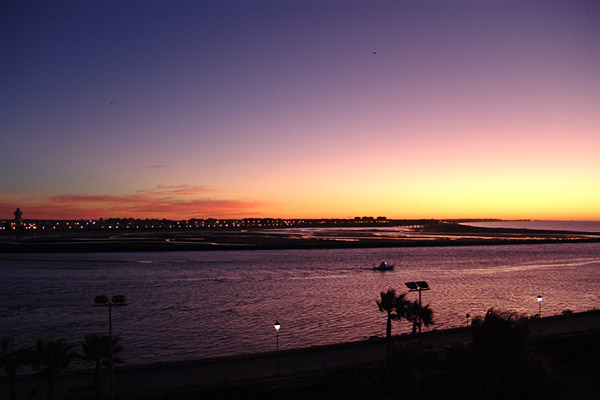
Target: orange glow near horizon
<point x="520" y="199"/>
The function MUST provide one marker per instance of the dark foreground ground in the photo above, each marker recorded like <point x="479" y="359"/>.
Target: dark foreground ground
<point x="560" y="361"/>
<point x="569" y="363"/>
<point x="429" y="233"/>
<point x="568" y="370"/>
<point x="556" y="366"/>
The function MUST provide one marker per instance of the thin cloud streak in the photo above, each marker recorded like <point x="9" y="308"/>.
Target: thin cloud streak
<point x="173" y="202"/>
<point x="177" y="190"/>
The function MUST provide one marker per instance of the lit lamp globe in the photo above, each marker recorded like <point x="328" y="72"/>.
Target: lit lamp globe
<point x="277" y="326"/>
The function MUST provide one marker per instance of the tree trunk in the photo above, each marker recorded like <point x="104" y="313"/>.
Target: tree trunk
<point x="49" y="386"/>
<point x="13" y="385"/>
<point x="388" y="331"/>
<point x="388" y="334"/>
<point x="97" y="372"/>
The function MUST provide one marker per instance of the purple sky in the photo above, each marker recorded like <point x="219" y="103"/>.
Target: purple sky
<point x="300" y="109"/>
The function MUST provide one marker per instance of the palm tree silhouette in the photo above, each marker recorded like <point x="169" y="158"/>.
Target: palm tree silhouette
<point x="51" y="356"/>
<point x="395" y="306"/>
<point x="419" y="315"/>
<point x="505" y="363"/>
<point x="96" y="350"/>
<point x="11" y="359"/>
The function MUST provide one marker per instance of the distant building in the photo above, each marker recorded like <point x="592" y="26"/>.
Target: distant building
<point x="18" y="215"/>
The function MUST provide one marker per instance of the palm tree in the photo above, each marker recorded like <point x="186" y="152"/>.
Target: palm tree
<point x="11" y="359"/>
<point x="417" y="314"/>
<point x="504" y="360"/>
<point x="394" y="305"/>
<point x="51" y="356"/>
<point x="499" y="335"/>
<point x="96" y="350"/>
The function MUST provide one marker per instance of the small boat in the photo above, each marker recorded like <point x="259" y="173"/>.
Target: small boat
<point x="384" y="266"/>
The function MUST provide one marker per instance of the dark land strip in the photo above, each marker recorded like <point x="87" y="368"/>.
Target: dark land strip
<point x="317" y="372"/>
<point x="431" y="234"/>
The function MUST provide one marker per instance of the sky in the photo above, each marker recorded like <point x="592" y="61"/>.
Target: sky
<point x="300" y="109"/>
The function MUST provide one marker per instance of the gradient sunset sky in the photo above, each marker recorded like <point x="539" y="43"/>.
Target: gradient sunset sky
<point x="227" y="109"/>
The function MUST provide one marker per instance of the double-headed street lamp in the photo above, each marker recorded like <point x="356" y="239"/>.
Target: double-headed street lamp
<point x="116" y="301"/>
<point x="418" y="287"/>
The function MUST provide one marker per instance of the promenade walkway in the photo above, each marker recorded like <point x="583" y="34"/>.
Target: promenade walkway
<point x="78" y="384"/>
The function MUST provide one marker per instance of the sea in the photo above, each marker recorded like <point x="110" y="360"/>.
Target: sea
<point x="197" y="305"/>
<point x="573" y="226"/>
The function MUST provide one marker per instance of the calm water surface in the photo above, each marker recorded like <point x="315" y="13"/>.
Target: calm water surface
<point x="189" y="305"/>
<point x="578" y="226"/>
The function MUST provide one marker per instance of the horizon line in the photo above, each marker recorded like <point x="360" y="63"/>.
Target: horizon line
<point x="366" y="217"/>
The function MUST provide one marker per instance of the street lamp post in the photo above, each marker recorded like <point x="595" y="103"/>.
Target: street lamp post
<point x="539" y="322"/>
<point x="115" y="301"/>
<point x="277" y="326"/>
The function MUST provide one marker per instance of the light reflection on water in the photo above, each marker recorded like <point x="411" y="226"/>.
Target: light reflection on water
<point x="188" y="305"/>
